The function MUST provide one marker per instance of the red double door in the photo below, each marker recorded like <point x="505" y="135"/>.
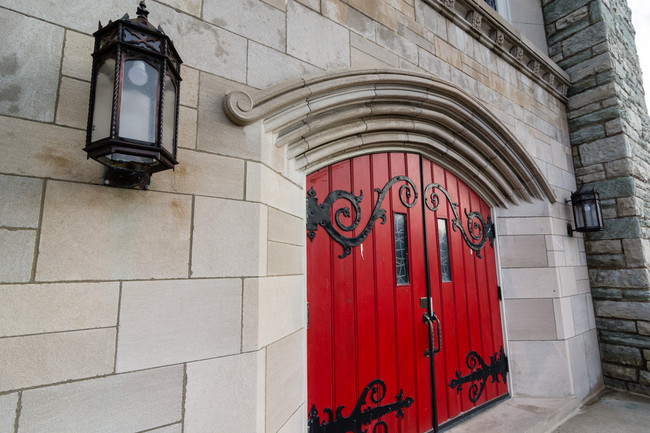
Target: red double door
<point x="404" y="329"/>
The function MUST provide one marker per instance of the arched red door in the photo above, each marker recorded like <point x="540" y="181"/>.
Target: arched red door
<point x="400" y="266"/>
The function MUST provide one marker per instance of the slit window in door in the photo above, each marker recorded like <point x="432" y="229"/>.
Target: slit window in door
<point x="445" y="263"/>
<point x="401" y="250"/>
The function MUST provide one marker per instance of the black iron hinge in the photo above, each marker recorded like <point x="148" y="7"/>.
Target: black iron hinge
<point x="499" y="293"/>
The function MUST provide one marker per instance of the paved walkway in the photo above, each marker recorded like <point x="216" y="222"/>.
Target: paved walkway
<point x="610" y="411"/>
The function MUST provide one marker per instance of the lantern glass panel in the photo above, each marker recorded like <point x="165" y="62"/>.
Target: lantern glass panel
<point x="169" y="115"/>
<point x="579" y="215"/>
<point x="591" y="217"/>
<point x="138" y="107"/>
<point x="103" y="104"/>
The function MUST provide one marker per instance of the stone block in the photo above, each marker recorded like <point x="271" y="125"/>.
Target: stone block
<point x="216" y="133"/>
<point x="273" y="308"/>
<point x="594" y="362"/>
<point x="313" y="4"/>
<point x="120" y="234"/>
<point x="644" y="378"/>
<point x="643" y="327"/>
<point x="50" y="358"/>
<point x="621" y="278"/>
<point x="266" y="186"/>
<point x="621" y="339"/>
<point x="45" y="150"/>
<point x="8" y="407"/>
<point x="225" y="394"/>
<point x="523" y="251"/>
<point x="578" y="362"/>
<point x="286" y="228"/>
<point x="376" y="51"/>
<point x="580" y="305"/>
<point x="119" y="403"/>
<point x="205" y="174"/>
<point x="229" y="238"/>
<point x="432" y="20"/>
<point x="30" y="63"/>
<point x="296" y="422"/>
<point x="187" y="125"/>
<point x="530" y="283"/>
<point x="253" y="20"/>
<point x="438" y="67"/>
<point x="77" y="58"/>
<point x="564" y="320"/>
<point x="189" y="87"/>
<point x="285" y="379"/>
<point x="361" y="60"/>
<point x="343" y="14"/>
<point x="587" y="134"/>
<point x="170" y="322"/>
<point x="637" y="252"/>
<point x="525" y="226"/>
<point x="381" y="12"/>
<point x="72" y="109"/>
<point x="616" y="325"/>
<point x="192" y="7"/>
<point x="203" y="45"/>
<point x="35" y="309"/>
<point x="267" y="66"/>
<point x="530" y="319"/>
<point x="623" y="310"/>
<point x="17" y="266"/>
<point x="285" y="259"/>
<point x="622" y="228"/>
<point x="20" y="201"/>
<point x="604" y="150"/>
<point x="584" y="39"/>
<point x="646" y="354"/>
<point x="620" y="372"/>
<point x="629" y="206"/>
<point x="315" y="39"/>
<point x="604" y="247"/>
<point x="540" y="368"/>
<point x="621" y="354"/>
<point x="399" y="45"/>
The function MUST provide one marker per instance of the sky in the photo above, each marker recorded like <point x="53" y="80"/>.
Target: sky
<point x="641" y="22"/>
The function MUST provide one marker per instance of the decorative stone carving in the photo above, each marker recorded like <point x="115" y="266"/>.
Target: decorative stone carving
<point x="475" y="19"/>
<point x="449" y="3"/>
<point x="517" y="52"/>
<point x="534" y="66"/>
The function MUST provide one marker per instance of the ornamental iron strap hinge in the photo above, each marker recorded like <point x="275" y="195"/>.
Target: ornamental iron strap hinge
<point x="480" y="230"/>
<point x="360" y="417"/>
<point x="498" y="367"/>
<point x="319" y="214"/>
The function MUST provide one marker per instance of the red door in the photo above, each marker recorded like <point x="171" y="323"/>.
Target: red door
<point x="399" y="268"/>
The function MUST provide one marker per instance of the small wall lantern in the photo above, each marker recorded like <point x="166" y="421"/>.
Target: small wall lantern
<point x="134" y="99"/>
<point x="587" y="211"/>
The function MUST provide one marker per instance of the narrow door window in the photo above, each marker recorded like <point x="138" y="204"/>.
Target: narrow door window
<point x="401" y="250"/>
<point x="445" y="263"/>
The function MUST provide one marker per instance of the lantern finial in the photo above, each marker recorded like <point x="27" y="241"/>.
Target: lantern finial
<point x="142" y="10"/>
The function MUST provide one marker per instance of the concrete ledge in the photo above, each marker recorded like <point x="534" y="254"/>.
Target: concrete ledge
<point x="520" y="415"/>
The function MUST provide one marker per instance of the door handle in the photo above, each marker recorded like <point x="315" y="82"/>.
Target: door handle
<point x="432" y="338"/>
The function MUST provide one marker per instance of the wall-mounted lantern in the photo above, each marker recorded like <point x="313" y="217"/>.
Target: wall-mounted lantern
<point x="134" y="100"/>
<point x="587" y="211"/>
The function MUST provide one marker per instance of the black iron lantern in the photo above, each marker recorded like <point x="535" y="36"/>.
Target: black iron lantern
<point x="587" y="211"/>
<point x="134" y="100"/>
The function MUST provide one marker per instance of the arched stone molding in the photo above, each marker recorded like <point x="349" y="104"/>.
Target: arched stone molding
<point x="325" y="118"/>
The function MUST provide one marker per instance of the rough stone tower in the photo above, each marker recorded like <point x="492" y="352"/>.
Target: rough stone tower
<point x="593" y="40"/>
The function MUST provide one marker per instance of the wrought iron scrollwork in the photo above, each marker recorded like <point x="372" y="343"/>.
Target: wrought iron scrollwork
<point x="320" y="214"/>
<point x="360" y="417"/>
<point x="498" y="367"/>
<point x="480" y="231"/>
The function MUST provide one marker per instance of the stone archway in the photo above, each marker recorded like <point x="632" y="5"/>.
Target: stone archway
<point x="330" y="117"/>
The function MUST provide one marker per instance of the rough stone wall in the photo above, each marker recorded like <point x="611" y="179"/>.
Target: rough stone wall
<point x="594" y="42"/>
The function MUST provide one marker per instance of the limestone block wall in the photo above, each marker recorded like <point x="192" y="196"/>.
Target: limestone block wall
<point x="609" y="125"/>
<point x="182" y="308"/>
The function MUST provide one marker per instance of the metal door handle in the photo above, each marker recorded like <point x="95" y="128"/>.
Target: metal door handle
<point x="429" y="320"/>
